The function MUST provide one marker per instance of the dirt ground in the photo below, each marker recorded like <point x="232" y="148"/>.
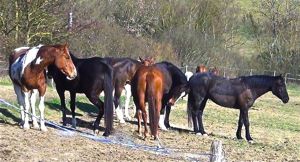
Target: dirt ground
<point x="124" y="145"/>
<point x="178" y="144"/>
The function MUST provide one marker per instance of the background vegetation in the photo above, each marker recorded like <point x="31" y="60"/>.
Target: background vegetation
<point x="260" y="34"/>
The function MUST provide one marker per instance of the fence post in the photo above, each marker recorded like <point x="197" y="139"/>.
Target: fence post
<point x="216" y="152"/>
<point x="251" y="72"/>
<point x="274" y="73"/>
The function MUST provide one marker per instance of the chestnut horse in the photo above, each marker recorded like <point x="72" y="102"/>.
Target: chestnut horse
<point x="124" y="69"/>
<point x="26" y="70"/>
<point x="238" y="93"/>
<point x="160" y="85"/>
<point x="148" y="85"/>
<point x="94" y="76"/>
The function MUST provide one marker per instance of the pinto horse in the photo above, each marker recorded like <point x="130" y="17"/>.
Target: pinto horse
<point x="238" y="93"/>
<point x="94" y="76"/>
<point x="26" y="70"/>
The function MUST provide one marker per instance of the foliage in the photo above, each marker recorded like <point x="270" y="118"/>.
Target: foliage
<point x="243" y="34"/>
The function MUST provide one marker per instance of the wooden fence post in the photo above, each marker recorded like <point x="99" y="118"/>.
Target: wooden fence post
<point x="217" y="152"/>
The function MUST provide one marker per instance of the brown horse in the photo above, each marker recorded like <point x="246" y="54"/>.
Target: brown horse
<point x="26" y="70"/>
<point x="148" y="86"/>
<point x="201" y="69"/>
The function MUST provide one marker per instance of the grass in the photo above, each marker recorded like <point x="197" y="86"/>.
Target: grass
<point x="274" y="126"/>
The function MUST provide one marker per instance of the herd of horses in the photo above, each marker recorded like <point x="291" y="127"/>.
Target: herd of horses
<point x="160" y="84"/>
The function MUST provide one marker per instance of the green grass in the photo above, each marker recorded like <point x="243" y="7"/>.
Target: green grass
<point x="274" y="126"/>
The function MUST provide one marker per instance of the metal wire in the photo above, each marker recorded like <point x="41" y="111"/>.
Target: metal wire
<point x="173" y="153"/>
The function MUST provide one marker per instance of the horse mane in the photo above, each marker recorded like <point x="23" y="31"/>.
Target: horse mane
<point x="257" y="81"/>
<point x="177" y="74"/>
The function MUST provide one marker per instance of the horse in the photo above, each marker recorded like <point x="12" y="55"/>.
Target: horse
<point x="149" y="85"/>
<point x="214" y="70"/>
<point x="201" y="69"/>
<point x="175" y="83"/>
<point x="124" y="70"/>
<point x="238" y="93"/>
<point x="94" y="76"/>
<point x="26" y="70"/>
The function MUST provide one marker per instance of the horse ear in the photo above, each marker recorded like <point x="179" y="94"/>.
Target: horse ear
<point x="66" y="45"/>
<point x="141" y="60"/>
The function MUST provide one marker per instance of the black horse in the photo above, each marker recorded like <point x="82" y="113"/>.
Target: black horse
<point x="176" y="83"/>
<point x="239" y="93"/>
<point x="93" y="77"/>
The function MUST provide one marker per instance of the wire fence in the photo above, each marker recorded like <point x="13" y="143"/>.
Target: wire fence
<point x="225" y="72"/>
<point x="236" y="72"/>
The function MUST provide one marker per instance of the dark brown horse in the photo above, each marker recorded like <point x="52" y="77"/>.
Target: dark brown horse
<point x="94" y="76"/>
<point x="239" y="93"/>
<point x="26" y="70"/>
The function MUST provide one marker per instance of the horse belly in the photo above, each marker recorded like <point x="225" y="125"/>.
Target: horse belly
<point x="224" y="100"/>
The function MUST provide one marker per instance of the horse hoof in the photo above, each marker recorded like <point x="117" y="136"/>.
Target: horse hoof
<point x="106" y="134"/>
<point x="251" y="142"/>
<point x="128" y="118"/>
<point x="35" y="125"/>
<point x="26" y="126"/>
<point x="96" y="132"/>
<point x="43" y="129"/>
<point x="122" y="121"/>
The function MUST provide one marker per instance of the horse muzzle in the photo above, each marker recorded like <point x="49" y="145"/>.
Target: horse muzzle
<point x="285" y="100"/>
<point x="73" y="76"/>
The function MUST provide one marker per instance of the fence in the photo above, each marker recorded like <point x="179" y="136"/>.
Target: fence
<point x="226" y="72"/>
<point x="235" y="72"/>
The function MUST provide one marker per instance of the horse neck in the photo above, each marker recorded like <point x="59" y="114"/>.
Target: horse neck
<point x="177" y="76"/>
<point x="41" y="62"/>
<point x="260" y="85"/>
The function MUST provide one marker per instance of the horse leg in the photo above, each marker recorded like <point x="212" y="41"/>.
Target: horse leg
<point x="119" y="112"/>
<point x="138" y="114"/>
<point x="240" y="125"/>
<point x="127" y="101"/>
<point x="247" y="124"/>
<point x="162" y="114"/>
<point x="27" y="106"/>
<point x="42" y="117"/>
<point x="167" y="116"/>
<point x="98" y="103"/>
<point x="73" y="99"/>
<point x="21" y="102"/>
<point x="200" y="114"/>
<point x="61" y="94"/>
<point x="32" y="102"/>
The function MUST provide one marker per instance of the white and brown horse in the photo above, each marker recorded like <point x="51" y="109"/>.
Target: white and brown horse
<point x="26" y="70"/>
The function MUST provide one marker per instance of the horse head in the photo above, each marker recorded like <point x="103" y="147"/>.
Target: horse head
<point x="64" y="62"/>
<point x="177" y="92"/>
<point x="147" y="61"/>
<point x="201" y="69"/>
<point x="179" y="83"/>
<point x="279" y="89"/>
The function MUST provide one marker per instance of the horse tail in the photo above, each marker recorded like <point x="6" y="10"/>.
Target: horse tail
<point x="189" y="110"/>
<point x="108" y="100"/>
<point x="153" y="117"/>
